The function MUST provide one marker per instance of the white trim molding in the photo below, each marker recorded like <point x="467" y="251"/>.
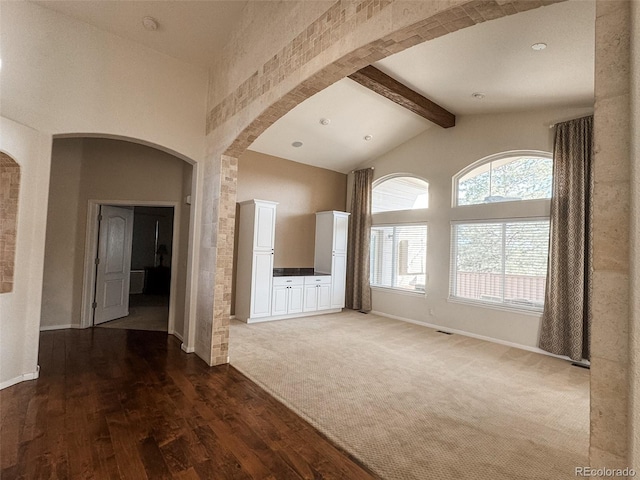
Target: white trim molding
<point x="48" y="328"/>
<point x="21" y="378"/>
<point x="187" y="349"/>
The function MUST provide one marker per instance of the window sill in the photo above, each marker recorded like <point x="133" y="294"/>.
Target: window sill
<point x="398" y="290"/>
<point x="492" y="306"/>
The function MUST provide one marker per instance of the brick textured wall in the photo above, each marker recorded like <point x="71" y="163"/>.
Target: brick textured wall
<point x="9" y="191"/>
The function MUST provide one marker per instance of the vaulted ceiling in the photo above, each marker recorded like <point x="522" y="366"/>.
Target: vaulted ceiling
<point x="494" y="59"/>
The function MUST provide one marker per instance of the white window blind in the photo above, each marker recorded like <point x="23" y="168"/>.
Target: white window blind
<point x="501" y="262"/>
<point x="399" y="257"/>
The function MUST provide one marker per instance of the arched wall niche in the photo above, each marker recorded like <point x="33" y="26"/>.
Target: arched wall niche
<point x="288" y="78"/>
<point x="9" y="195"/>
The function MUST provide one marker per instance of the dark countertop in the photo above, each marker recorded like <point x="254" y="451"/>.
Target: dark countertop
<point x="297" y="272"/>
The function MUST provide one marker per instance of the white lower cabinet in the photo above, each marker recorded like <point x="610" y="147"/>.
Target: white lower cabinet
<point x="317" y="293"/>
<point x="287" y="295"/>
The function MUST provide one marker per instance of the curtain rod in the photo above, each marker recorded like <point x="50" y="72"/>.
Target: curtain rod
<point x="551" y="125"/>
<point x="370" y="168"/>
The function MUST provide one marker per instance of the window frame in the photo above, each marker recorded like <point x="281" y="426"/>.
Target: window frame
<point x="452" y="266"/>
<point x="492" y="158"/>
<point x="393" y="289"/>
<point x="379" y="181"/>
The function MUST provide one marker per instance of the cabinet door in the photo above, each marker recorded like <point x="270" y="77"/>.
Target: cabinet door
<point x="295" y="299"/>
<point x="261" y="284"/>
<point x="310" y="298"/>
<point x="324" y="297"/>
<point x="279" y="306"/>
<point x="338" y="280"/>
<point x="340" y="232"/>
<point x="264" y="233"/>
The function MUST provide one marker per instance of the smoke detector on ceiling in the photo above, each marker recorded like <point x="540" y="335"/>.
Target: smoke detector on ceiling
<point x="150" y="23"/>
<point x="478" y="95"/>
<point x="296" y="144"/>
<point x="325" y="121"/>
<point x="539" y="46"/>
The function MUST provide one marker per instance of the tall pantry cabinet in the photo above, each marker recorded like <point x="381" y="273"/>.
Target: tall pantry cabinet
<point x="255" y="259"/>
<point x="332" y="229"/>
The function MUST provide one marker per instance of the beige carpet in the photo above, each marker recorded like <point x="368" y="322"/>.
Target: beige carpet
<point x="146" y="312"/>
<point x="412" y="403"/>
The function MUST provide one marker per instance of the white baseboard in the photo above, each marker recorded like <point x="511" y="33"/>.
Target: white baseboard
<point x="290" y="316"/>
<point x="476" y="336"/>
<point x="47" y="328"/>
<point x="187" y="349"/>
<point x="21" y="378"/>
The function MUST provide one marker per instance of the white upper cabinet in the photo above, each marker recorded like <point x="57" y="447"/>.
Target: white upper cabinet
<point x="340" y="232"/>
<point x="256" y="234"/>
<point x="265" y="225"/>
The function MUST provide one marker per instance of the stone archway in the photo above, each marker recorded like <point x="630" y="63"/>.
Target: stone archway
<point x="255" y="105"/>
<point x="9" y="195"/>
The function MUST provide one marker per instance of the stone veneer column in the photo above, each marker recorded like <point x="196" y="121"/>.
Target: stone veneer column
<point x="610" y="366"/>
<point x="634" y="445"/>
<point x="216" y="259"/>
<point x="224" y="259"/>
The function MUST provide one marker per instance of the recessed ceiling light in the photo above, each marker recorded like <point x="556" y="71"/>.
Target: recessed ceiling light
<point x="325" y="121"/>
<point x="296" y="144"/>
<point x="478" y="95"/>
<point x="368" y="137"/>
<point x="150" y="23"/>
<point x="539" y="46"/>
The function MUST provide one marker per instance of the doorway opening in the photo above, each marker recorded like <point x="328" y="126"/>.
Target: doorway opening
<point x="114" y="271"/>
<point x="133" y="267"/>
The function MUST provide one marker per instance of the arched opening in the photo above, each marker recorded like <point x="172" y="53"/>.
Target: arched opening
<point x="89" y="173"/>
<point x="273" y="112"/>
<point x="10" y="188"/>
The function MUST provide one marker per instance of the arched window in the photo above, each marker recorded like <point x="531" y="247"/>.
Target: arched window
<point x="505" y="177"/>
<point x="496" y="259"/>
<point x="399" y="192"/>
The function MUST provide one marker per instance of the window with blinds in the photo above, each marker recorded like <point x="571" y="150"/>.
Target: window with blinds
<point x="500" y="262"/>
<point x="399" y="257"/>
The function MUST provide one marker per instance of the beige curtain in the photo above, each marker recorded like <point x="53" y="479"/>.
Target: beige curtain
<point x="358" y="289"/>
<point x="566" y="321"/>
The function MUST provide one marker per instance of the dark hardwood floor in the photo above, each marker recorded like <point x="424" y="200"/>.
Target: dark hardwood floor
<point x="130" y="404"/>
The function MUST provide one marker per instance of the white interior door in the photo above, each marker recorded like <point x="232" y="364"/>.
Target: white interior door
<point x="114" y="264"/>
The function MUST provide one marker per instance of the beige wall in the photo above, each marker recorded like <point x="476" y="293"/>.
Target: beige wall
<point x="300" y="190"/>
<point x="100" y="169"/>
<point x="63" y="76"/>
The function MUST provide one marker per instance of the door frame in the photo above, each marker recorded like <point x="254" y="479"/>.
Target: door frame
<point x="91" y="251"/>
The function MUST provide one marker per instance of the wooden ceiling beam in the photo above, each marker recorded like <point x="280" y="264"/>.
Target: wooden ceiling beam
<point x="381" y="83"/>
